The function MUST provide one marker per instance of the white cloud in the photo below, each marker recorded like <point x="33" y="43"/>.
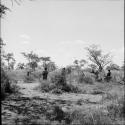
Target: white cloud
<point x="75" y="42"/>
<point x="79" y="42"/>
<point x="25" y="36"/>
<point x="25" y="42"/>
<point x="41" y="52"/>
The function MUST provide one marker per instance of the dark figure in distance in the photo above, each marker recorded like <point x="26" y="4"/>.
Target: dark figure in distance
<point x="108" y="77"/>
<point x="28" y="73"/>
<point x="45" y="74"/>
<point x="63" y="74"/>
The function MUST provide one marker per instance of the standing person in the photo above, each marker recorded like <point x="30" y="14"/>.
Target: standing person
<point x="45" y="74"/>
<point x="63" y="74"/>
<point x="28" y="73"/>
<point x="97" y="74"/>
<point x="108" y="77"/>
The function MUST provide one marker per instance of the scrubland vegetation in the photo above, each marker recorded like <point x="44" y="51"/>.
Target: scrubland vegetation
<point x="108" y="111"/>
<point x="85" y="99"/>
<point x="79" y="98"/>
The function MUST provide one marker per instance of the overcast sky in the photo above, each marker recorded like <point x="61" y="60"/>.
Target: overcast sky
<point x="62" y="29"/>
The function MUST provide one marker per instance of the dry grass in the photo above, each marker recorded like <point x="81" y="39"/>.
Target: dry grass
<point x="117" y="76"/>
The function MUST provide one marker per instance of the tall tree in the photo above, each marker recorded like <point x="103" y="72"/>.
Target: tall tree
<point x="12" y="64"/>
<point x="82" y="63"/>
<point x="20" y="66"/>
<point x="96" y="56"/>
<point x="45" y="60"/>
<point x="51" y="66"/>
<point x="9" y="57"/>
<point x="93" y="66"/>
<point x="3" y="10"/>
<point x="32" y="58"/>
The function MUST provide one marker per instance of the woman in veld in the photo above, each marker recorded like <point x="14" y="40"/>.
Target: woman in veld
<point x="45" y="74"/>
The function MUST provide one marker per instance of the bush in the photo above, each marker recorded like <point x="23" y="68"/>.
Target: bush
<point x="37" y="74"/>
<point x="46" y="87"/>
<point x="5" y="84"/>
<point x="58" y="85"/>
<point x="117" y="76"/>
<point x="29" y="79"/>
<point x="91" y="117"/>
<point x="87" y="78"/>
<point x="117" y="110"/>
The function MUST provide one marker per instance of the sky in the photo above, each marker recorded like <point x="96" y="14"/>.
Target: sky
<point x="62" y="29"/>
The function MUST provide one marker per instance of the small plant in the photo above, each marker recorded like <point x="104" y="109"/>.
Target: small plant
<point x="92" y="117"/>
<point x="117" y="76"/>
<point x="58" y="85"/>
<point x="87" y="78"/>
<point x="117" y="110"/>
<point x="29" y="79"/>
<point x="79" y="102"/>
<point x="5" y="84"/>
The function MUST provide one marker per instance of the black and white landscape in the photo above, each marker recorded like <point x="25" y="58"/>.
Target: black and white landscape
<point x="62" y="62"/>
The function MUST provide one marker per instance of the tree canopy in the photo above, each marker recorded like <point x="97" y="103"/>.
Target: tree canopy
<point x="96" y="56"/>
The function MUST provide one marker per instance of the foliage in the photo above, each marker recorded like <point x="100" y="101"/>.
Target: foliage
<point x="32" y="58"/>
<point x="113" y="67"/>
<point x="51" y="66"/>
<point x="59" y="85"/>
<point x="117" y="76"/>
<point x="93" y="66"/>
<point x="3" y="10"/>
<point x="9" y="57"/>
<point x="6" y="84"/>
<point x="95" y="56"/>
<point x="117" y="110"/>
<point x="20" y="66"/>
<point x="80" y="63"/>
<point x="87" y="78"/>
<point x="91" y="117"/>
<point x="46" y="61"/>
<point x="29" y="79"/>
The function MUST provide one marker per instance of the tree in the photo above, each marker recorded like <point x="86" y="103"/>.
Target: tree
<point x="93" y="66"/>
<point x="20" y="66"/>
<point x="82" y="63"/>
<point x="76" y="62"/>
<point x="12" y="64"/>
<point x="32" y="58"/>
<point x="9" y="57"/>
<point x="113" y="67"/>
<point x="51" y="66"/>
<point x="2" y="52"/>
<point x="45" y="61"/>
<point x="3" y="10"/>
<point x="96" y="56"/>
